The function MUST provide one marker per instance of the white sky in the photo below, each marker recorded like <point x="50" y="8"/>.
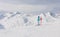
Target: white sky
<point x="22" y="7"/>
<point x="28" y="5"/>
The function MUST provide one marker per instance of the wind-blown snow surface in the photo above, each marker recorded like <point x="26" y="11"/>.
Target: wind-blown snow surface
<point x="16" y="27"/>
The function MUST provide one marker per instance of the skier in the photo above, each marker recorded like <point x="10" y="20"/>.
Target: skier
<point x="41" y="20"/>
<point x="38" y="19"/>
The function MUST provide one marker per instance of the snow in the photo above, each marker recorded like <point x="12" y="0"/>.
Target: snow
<point x="16" y="27"/>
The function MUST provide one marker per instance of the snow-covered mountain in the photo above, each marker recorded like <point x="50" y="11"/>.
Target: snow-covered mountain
<point x="25" y="18"/>
<point x="25" y="25"/>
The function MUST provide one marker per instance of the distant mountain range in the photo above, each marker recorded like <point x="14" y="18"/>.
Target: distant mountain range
<point x="9" y="14"/>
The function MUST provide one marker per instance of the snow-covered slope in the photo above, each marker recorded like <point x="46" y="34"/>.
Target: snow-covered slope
<point x="50" y="18"/>
<point x="21" y="25"/>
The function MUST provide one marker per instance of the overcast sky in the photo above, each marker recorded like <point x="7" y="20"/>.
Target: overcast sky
<point x="32" y="1"/>
<point x="29" y="5"/>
